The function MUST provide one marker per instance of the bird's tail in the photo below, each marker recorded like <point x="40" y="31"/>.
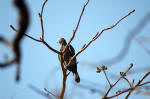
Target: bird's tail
<point x="76" y="76"/>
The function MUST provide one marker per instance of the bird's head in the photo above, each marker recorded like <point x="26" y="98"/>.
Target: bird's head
<point x="61" y="41"/>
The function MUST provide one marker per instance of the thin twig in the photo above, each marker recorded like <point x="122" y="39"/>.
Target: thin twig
<point x="13" y="28"/>
<point x="42" y="41"/>
<point x="50" y="93"/>
<point x="52" y="49"/>
<point x="133" y="87"/>
<point x="68" y="73"/>
<point x="107" y="78"/>
<point x="137" y="84"/>
<point x="144" y="83"/>
<point x="128" y="41"/>
<point x="127" y="81"/>
<point x="104" y="97"/>
<point x="41" y="19"/>
<point x="95" y="37"/>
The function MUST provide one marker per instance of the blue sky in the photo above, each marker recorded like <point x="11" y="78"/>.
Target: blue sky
<point x="40" y="66"/>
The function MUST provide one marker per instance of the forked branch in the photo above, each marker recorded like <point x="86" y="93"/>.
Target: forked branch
<point x="42" y="27"/>
<point x="76" y="28"/>
<point x="98" y="34"/>
<point x="129" y="90"/>
<point x="105" y="96"/>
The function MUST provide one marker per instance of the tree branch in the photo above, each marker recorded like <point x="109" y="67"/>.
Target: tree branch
<point x="97" y="35"/>
<point x="107" y="78"/>
<point x="127" y="81"/>
<point x="52" y="49"/>
<point x="74" y="31"/>
<point x="105" y="96"/>
<point x="13" y="28"/>
<point x="41" y="19"/>
<point x="64" y="78"/>
<point x="129" y="90"/>
<point x="137" y="84"/>
<point x="42" y="41"/>
<point x="15" y="44"/>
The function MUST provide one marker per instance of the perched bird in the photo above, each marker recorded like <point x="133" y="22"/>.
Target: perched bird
<point x="69" y="53"/>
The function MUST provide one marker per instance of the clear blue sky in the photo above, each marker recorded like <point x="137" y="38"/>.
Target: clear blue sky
<point x="40" y="66"/>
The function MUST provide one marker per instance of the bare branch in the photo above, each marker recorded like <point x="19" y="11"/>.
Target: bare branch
<point x="137" y="84"/>
<point x="129" y="90"/>
<point x="64" y="78"/>
<point x="144" y="83"/>
<point x="130" y="37"/>
<point x="104" y="97"/>
<point x="107" y="78"/>
<point x="41" y="19"/>
<point x="42" y="41"/>
<point x="98" y="34"/>
<point x="103" y="68"/>
<point x="127" y="81"/>
<point x="74" y="31"/>
<point x="13" y="28"/>
<point x="52" y="49"/>
<point x="61" y="58"/>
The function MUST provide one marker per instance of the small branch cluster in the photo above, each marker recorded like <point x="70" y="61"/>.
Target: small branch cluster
<point x="129" y="90"/>
<point x="103" y="68"/>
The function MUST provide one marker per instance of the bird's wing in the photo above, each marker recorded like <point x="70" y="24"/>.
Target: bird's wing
<point x="71" y="50"/>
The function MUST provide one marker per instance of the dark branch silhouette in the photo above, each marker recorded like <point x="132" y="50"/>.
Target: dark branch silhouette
<point x="23" y="24"/>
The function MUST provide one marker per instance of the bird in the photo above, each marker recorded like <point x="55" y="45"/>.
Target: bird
<point x="68" y="54"/>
